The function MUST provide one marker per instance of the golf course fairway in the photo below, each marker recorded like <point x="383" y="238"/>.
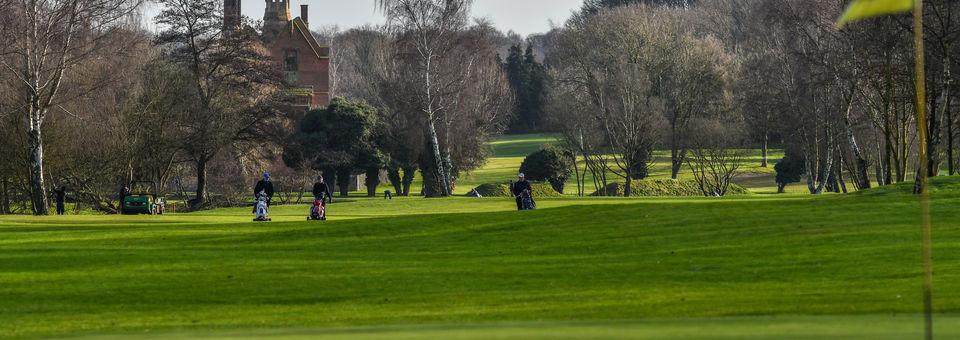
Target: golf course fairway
<point x="765" y="266"/>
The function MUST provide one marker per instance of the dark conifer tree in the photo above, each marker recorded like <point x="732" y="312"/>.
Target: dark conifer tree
<point x="526" y="76"/>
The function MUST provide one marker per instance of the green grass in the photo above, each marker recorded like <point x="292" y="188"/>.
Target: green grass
<point x="766" y="266"/>
<point x="756" y="266"/>
<point x="831" y="327"/>
<point x="509" y="151"/>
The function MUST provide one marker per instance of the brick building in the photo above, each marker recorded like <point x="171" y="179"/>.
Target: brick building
<point x="305" y="62"/>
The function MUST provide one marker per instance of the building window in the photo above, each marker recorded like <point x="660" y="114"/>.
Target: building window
<point x="291" y="65"/>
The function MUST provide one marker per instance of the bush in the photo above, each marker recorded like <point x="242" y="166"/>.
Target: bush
<point x="665" y="187"/>
<point x="493" y="190"/>
<point x="550" y="164"/>
<point x="503" y="190"/>
<point x="790" y="169"/>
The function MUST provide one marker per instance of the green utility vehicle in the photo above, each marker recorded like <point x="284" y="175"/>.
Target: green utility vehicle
<point x="139" y="200"/>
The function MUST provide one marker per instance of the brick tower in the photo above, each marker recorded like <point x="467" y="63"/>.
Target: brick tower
<point x="276" y="17"/>
<point x="305" y="62"/>
<point x="231" y="14"/>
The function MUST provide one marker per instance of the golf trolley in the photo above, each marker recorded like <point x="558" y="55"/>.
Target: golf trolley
<point x="526" y="201"/>
<point x="260" y="209"/>
<point x="318" y="212"/>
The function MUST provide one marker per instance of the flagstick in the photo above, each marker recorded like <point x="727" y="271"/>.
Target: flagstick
<point x="926" y="252"/>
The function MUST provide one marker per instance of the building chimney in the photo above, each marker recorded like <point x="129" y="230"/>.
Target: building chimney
<point x="303" y="15"/>
<point x="231" y="14"/>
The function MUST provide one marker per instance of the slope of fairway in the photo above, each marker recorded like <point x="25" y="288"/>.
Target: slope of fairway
<point x="474" y="262"/>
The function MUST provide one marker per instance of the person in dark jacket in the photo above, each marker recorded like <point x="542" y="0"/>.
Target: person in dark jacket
<point x="61" y="197"/>
<point x="321" y="190"/>
<point x="124" y="192"/>
<point x="518" y="187"/>
<point x="266" y="186"/>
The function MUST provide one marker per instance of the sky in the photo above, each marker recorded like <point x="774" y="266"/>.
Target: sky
<point x="521" y="16"/>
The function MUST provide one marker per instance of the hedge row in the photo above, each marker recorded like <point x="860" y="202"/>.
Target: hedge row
<point x="503" y="190"/>
<point x="642" y="188"/>
<point x="665" y="187"/>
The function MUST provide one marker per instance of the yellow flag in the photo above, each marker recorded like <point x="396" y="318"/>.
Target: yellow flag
<point x="862" y="9"/>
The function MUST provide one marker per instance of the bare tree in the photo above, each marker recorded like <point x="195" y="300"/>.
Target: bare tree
<point x="43" y="44"/>
<point x="481" y="99"/>
<point x="716" y="155"/>
<point x="612" y="59"/>
<point x="690" y="80"/>
<point x="426" y="34"/>
<point x="941" y="32"/>
<point x="579" y="132"/>
<point x="155" y="121"/>
<point x="371" y="72"/>
<point x="236" y="87"/>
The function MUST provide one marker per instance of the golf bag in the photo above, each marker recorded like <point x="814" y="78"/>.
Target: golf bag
<point x="526" y="201"/>
<point x="260" y="211"/>
<point x="319" y="210"/>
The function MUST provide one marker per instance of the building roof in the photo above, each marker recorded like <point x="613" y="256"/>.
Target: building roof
<point x="300" y="28"/>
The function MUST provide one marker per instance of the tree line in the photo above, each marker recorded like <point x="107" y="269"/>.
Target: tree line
<point x="91" y="100"/>
<point x="702" y="78"/>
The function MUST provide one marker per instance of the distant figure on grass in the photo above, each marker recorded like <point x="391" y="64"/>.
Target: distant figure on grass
<point x="265" y="186"/>
<point x="523" y="192"/>
<point x="60" y="194"/>
<point x="124" y="192"/>
<point x="321" y="195"/>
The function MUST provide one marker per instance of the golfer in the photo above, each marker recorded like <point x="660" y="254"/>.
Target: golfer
<point x="519" y="187"/>
<point x="61" y="196"/>
<point x="321" y="190"/>
<point x="266" y="186"/>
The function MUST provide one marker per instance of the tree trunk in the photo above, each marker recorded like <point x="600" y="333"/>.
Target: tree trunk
<point x="832" y="184"/>
<point x="902" y="155"/>
<point x="372" y="181"/>
<point x="677" y="153"/>
<point x="449" y="180"/>
<point x="948" y="116"/>
<point x="393" y="174"/>
<point x="764" y="162"/>
<point x="951" y="170"/>
<point x="781" y="188"/>
<point x="432" y="186"/>
<point x="409" y="174"/>
<point x="887" y="158"/>
<point x="439" y="175"/>
<point x="38" y="190"/>
<point x="330" y="176"/>
<point x="676" y="159"/>
<point x="201" y="197"/>
<point x="811" y="175"/>
<point x="4" y="196"/>
<point x="576" y="173"/>
<point x="862" y="179"/>
<point x="817" y="177"/>
<point x="628" y="187"/>
<point x="933" y="138"/>
<point x="880" y="168"/>
<point x="343" y="182"/>
<point x="839" y="172"/>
